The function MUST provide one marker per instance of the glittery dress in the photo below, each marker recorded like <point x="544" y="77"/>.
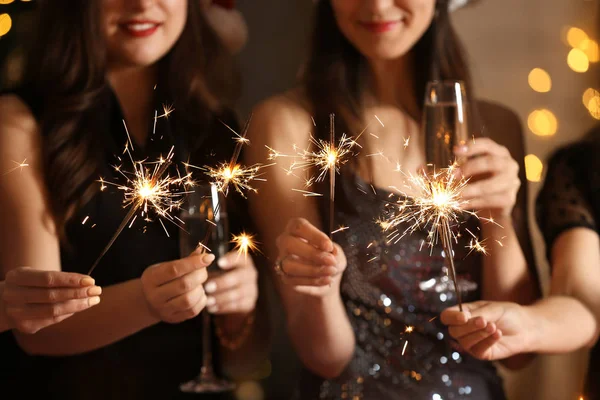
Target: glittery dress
<point x="388" y="287"/>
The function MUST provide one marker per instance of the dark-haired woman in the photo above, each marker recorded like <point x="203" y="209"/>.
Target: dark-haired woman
<point x="349" y="301"/>
<point x="94" y="66"/>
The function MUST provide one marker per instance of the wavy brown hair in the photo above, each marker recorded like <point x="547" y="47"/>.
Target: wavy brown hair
<point x="335" y="77"/>
<point x="66" y="76"/>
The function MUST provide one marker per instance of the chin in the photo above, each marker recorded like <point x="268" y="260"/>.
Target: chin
<point x="140" y="59"/>
<point x="386" y="53"/>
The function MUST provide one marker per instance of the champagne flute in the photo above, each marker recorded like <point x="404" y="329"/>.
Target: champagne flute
<point x="206" y="224"/>
<point x="445" y="125"/>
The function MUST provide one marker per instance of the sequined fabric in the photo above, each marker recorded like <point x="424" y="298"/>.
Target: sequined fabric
<point x="389" y="289"/>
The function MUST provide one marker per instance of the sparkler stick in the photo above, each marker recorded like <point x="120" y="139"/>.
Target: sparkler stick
<point x="332" y="165"/>
<point x="325" y="157"/>
<point x="447" y="245"/>
<point x="148" y="189"/>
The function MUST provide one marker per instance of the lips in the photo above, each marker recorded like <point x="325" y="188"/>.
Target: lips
<point x="380" y="27"/>
<point x="139" y="28"/>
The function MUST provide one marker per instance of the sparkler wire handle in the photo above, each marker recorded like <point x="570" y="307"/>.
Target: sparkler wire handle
<point x="124" y="223"/>
<point x="447" y="245"/>
<point x="332" y="171"/>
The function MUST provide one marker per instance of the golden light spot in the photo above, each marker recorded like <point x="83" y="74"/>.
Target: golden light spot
<point x="590" y="48"/>
<point x="5" y="23"/>
<point x="533" y="168"/>
<point x="542" y="122"/>
<point x="540" y="80"/>
<point x="6" y="1"/>
<point x="588" y="95"/>
<point x="578" y="60"/>
<point x="576" y="36"/>
<point x="593" y="106"/>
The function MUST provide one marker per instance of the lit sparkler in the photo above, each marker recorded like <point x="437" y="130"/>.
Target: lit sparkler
<point x="148" y="189"/>
<point x="326" y="157"/>
<point x="244" y="243"/>
<point x="231" y="174"/>
<point x="437" y="205"/>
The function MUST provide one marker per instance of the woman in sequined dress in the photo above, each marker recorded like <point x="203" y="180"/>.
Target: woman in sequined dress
<point x="360" y="312"/>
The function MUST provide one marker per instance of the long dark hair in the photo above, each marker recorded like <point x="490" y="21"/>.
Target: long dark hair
<point x="335" y="77"/>
<point x="66" y="75"/>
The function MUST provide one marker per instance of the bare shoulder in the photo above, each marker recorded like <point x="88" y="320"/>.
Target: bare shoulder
<point x="284" y="117"/>
<point x="18" y="126"/>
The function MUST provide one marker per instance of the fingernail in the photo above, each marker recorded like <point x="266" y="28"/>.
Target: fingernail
<point x="87" y="281"/>
<point x="92" y="301"/>
<point x="327" y="257"/>
<point x="222" y="262"/>
<point x="329" y="270"/>
<point x="213" y="309"/>
<point x="208" y="258"/>
<point x="210" y="287"/>
<point x="461" y="149"/>
<point x="94" y="291"/>
<point x="210" y="301"/>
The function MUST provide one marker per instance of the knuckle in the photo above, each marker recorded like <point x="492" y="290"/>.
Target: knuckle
<point x="185" y="285"/>
<point x="299" y="224"/>
<point x="52" y="295"/>
<point x="11" y="276"/>
<point x="48" y="278"/>
<point x="187" y="302"/>
<point x="172" y="270"/>
<point x="57" y="311"/>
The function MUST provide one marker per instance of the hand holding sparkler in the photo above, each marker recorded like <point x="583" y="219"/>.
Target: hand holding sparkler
<point x="308" y="260"/>
<point x="174" y="290"/>
<point x="491" y="330"/>
<point x="33" y="299"/>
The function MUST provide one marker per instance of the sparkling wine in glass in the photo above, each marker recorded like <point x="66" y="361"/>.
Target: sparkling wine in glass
<point x="205" y="216"/>
<point x="445" y="125"/>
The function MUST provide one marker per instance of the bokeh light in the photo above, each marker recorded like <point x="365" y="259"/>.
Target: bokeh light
<point x="540" y="80"/>
<point x="578" y="60"/>
<point x="590" y="48"/>
<point x="542" y="122"/>
<point x="533" y="168"/>
<point x="576" y="36"/>
<point x="5" y="24"/>
<point x="249" y="391"/>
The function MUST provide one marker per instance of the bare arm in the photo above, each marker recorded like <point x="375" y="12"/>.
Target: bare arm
<point x="317" y="322"/>
<point x="574" y="296"/>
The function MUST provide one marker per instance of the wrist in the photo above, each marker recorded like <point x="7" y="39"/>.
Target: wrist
<point x="144" y="304"/>
<point x="534" y="329"/>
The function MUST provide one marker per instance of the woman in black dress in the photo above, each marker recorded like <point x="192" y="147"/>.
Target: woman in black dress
<point x="94" y="66"/>
<point x="568" y="214"/>
<point x="349" y="301"/>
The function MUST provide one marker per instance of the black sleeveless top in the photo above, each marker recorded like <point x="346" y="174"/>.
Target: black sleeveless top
<point x="153" y="362"/>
